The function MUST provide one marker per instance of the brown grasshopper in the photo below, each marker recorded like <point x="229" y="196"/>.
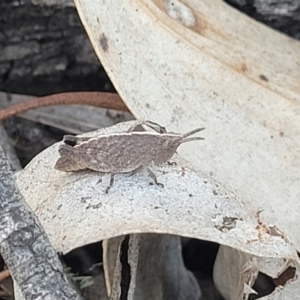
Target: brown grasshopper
<point x="121" y="152"/>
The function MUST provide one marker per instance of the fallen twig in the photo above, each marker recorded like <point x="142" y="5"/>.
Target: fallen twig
<point x="98" y="99"/>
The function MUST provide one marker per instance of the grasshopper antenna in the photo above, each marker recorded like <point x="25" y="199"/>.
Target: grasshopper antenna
<point x="186" y="139"/>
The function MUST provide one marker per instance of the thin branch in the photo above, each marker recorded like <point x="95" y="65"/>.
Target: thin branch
<point x="98" y="99"/>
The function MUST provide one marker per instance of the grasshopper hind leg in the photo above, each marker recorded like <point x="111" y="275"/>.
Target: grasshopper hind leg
<point x="150" y="173"/>
<point x="153" y="176"/>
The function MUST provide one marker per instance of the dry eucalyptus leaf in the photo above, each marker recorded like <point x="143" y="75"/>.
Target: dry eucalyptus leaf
<point x="202" y="63"/>
<point x="244" y="270"/>
<point x="74" y="209"/>
<point x="121" y="274"/>
<point x="161" y="273"/>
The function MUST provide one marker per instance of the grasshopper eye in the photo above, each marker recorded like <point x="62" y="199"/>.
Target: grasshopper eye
<point x="70" y="140"/>
<point x="70" y="143"/>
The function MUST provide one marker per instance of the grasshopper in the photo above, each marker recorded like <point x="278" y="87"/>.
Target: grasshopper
<point x="121" y="152"/>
